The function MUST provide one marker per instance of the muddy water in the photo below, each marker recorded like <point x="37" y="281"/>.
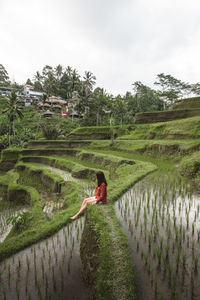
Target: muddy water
<point x="51" y="269"/>
<point x="161" y="216"/>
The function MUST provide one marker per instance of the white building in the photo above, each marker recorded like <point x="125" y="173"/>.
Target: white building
<point x="30" y="93"/>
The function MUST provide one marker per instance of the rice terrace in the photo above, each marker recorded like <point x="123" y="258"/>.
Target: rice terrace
<point x="144" y="244"/>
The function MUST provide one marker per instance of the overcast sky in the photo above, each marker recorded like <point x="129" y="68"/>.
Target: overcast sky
<point x="119" y="41"/>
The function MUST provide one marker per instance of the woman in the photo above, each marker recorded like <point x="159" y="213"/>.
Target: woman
<point x="100" y="196"/>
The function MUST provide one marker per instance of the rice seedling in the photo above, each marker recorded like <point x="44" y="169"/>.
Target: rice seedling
<point x="198" y="236"/>
<point x="184" y="258"/>
<point x="18" y="294"/>
<point x="192" y="229"/>
<point x="150" y="241"/>
<point x="27" y="263"/>
<point x="196" y="261"/>
<point x="4" y="294"/>
<point x="68" y="266"/>
<point x="42" y="266"/>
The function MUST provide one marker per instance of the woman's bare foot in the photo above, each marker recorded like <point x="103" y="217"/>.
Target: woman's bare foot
<point x="74" y="217"/>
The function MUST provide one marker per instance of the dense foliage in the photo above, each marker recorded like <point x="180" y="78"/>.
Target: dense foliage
<point x="94" y="106"/>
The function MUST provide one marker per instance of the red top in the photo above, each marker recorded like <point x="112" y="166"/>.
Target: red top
<point x="101" y="193"/>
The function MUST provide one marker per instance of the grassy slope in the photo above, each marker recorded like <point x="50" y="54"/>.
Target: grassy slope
<point x="190" y="166"/>
<point x="114" y="279"/>
<point x="185" y="128"/>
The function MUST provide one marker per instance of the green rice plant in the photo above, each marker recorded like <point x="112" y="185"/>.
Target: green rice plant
<point x="47" y="244"/>
<point x="62" y="281"/>
<point x="46" y="285"/>
<point x="173" y="286"/>
<point x="192" y="229"/>
<point x="56" y="256"/>
<point x="19" y="263"/>
<point x="187" y="220"/>
<point x="198" y="209"/>
<point x="167" y="252"/>
<point x="168" y="232"/>
<point x="177" y="259"/>
<point x="4" y="294"/>
<point x="145" y="259"/>
<point x="193" y="248"/>
<point x="27" y="263"/>
<point x="169" y="273"/>
<point x="184" y="258"/>
<point x="196" y="261"/>
<point x="161" y="243"/>
<point x="183" y="233"/>
<point x="173" y="246"/>
<point x="9" y="275"/>
<point x="35" y="277"/>
<point x="174" y="222"/>
<point x="159" y="256"/>
<point x="68" y="266"/>
<point x="18" y="294"/>
<point x="156" y="289"/>
<point x="53" y="277"/>
<point x="42" y="265"/>
<point x="138" y="244"/>
<point x="150" y="240"/>
<point x="43" y="253"/>
<point x="179" y="208"/>
<point x="141" y="229"/>
<point x="192" y="285"/>
<point x="198" y="234"/>
<point x="26" y="288"/>
<point x="188" y="241"/>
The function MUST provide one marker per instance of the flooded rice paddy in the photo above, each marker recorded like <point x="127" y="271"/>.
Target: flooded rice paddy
<point x="161" y="216"/>
<point x="6" y="211"/>
<point x="50" y="269"/>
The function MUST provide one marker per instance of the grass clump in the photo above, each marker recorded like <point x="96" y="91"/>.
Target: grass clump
<point x="115" y="277"/>
<point x="190" y="166"/>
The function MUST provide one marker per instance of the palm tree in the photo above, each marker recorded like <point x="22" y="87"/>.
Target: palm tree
<point x="13" y="112"/>
<point x="58" y="72"/>
<point x="73" y="83"/>
<point x="89" y="79"/>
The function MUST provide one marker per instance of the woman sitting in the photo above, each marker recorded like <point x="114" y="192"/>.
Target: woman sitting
<point x="100" y="196"/>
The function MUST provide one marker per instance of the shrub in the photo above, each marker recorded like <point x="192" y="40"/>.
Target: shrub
<point x="20" y="220"/>
<point x="51" y="132"/>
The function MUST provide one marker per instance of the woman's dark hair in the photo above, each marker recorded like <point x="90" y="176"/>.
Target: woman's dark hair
<point x="101" y="178"/>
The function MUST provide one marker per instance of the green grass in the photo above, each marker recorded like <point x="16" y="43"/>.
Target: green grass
<point x="164" y="116"/>
<point x="173" y="149"/>
<point x="114" y="277"/>
<point x="41" y="178"/>
<point x="190" y="166"/>
<point x="187" y="103"/>
<point x="184" y="128"/>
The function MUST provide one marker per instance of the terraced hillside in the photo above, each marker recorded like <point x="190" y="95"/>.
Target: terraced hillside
<point x="48" y="181"/>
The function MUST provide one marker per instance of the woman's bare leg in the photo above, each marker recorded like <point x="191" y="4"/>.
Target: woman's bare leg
<point x="83" y="207"/>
